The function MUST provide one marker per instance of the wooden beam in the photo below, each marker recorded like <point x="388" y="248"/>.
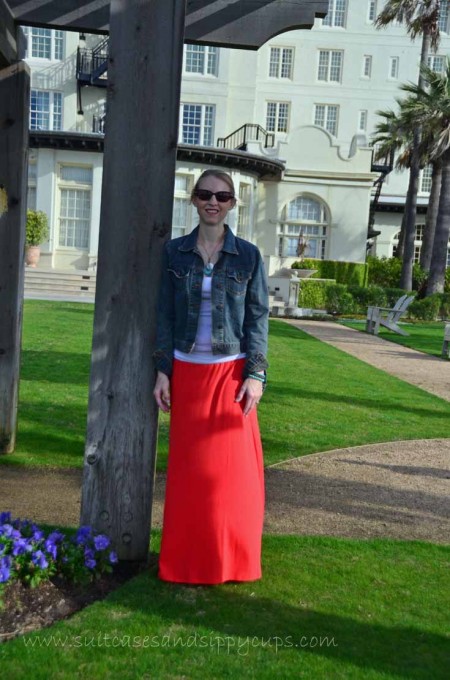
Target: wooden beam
<point x="227" y="23"/>
<point x="14" y="104"/>
<point x="10" y="50"/>
<point x="135" y="222"/>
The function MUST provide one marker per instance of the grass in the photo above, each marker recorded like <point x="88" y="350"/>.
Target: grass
<point x="318" y="397"/>
<point x="326" y="608"/>
<point x="426" y="336"/>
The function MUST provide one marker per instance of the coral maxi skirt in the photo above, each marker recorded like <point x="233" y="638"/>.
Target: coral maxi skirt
<point x="214" y="507"/>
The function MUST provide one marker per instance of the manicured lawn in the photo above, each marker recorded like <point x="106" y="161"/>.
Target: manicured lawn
<point x="325" y="608"/>
<point x="424" y="336"/>
<point x="318" y="397"/>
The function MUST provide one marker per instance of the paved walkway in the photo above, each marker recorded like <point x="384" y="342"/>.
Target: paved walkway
<point x="423" y="370"/>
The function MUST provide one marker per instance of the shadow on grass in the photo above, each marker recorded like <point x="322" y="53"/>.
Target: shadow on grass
<point x="55" y="367"/>
<point x="404" y="651"/>
<point x="383" y="403"/>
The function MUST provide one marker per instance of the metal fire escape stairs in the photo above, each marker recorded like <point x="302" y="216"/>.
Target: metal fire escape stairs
<point x="384" y="166"/>
<point x="92" y="70"/>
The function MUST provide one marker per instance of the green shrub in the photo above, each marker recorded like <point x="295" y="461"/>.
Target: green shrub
<point x="349" y="273"/>
<point x="339" y="300"/>
<point x="36" y="228"/>
<point x="426" y="309"/>
<point x="363" y="297"/>
<point x="393" y="294"/>
<point x="444" y="310"/>
<point x="386" y="272"/>
<point x="312" y="294"/>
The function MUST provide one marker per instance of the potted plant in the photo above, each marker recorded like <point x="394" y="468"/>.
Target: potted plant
<point x="36" y="234"/>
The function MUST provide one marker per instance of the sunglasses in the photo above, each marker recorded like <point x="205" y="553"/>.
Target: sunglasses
<point x="221" y="196"/>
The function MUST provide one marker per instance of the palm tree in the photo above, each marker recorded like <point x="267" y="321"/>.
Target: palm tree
<point x="428" y="106"/>
<point x="421" y="17"/>
<point x="395" y="134"/>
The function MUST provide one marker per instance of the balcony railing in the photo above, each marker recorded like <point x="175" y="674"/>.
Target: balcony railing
<point x="92" y="65"/>
<point x="247" y="133"/>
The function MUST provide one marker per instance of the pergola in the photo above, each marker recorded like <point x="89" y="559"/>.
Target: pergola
<point x="144" y="77"/>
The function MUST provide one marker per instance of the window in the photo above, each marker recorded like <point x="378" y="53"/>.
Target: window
<point x="197" y="124"/>
<point x="393" y="67"/>
<point x="243" y="210"/>
<point x="75" y="185"/>
<point x="281" y="62"/>
<point x="337" y="10"/>
<point x="307" y="217"/>
<point x="443" y="16"/>
<point x="45" y="110"/>
<point x="182" y="209"/>
<point x="330" y="66"/>
<point x="437" y="62"/>
<point x="426" y="179"/>
<point x="44" y="43"/>
<point x="367" y="66"/>
<point x="362" y="120"/>
<point x="31" y="194"/>
<point x="326" y="116"/>
<point x="201" y="59"/>
<point x="372" y="11"/>
<point x="277" y="118"/>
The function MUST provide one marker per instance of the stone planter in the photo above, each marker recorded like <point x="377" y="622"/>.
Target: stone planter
<point x="303" y="273"/>
<point x="32" y="255"/>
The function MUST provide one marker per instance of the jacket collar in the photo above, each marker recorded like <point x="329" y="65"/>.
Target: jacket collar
<point x="229" y="244"/>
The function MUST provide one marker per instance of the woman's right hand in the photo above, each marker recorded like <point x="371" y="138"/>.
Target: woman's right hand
<point x="162" y="391"/>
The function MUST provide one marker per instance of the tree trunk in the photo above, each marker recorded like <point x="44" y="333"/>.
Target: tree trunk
<point x="436" y="280"/>
<point x="401" y="236"/>
<point x="144" y="77"/>
<point x="413" y="186"/>
<point x="14" y="105"/>
<point x="432" y="212"/>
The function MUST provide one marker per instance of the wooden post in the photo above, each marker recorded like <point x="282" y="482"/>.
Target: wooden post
<point x="144" y="78"/>
<point x="14" y="103"/>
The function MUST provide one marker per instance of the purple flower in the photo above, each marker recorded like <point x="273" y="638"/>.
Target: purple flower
<point x="101" y="542"/>
<point x="89" y="553"/>
<point x="55" y="536"/>
<point x="51" y="548"/>
<point x="83" y="535"/>
<point x="39" y="559"/>
<point x="7" y="530"/>
<point x="5" y="569"/>
<point x="38" y="534"/>
<point x="20" y="546"/>
<point x="90" y="563"/>
<point x="113" y="557"/>
<point x="5" y="517"/>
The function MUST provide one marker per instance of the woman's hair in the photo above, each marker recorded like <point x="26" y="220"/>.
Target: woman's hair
<point x="220" y="174"/>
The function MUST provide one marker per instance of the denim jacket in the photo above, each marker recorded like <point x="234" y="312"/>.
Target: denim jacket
<point x="239" y="299"/>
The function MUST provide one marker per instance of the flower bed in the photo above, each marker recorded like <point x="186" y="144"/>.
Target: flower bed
<point x="29" y="555"/>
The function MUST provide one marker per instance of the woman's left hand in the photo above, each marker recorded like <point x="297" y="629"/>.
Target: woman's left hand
<point x="252" y="390"/>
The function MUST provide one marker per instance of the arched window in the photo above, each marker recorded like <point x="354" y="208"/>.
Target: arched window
<point x="307" y="217"/>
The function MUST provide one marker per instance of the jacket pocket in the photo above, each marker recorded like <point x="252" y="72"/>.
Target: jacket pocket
<point x="179" y="277"/>
<point x="236" y="281"/>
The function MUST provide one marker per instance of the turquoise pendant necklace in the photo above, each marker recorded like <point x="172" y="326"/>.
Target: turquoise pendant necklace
<point x="209" y="266"/>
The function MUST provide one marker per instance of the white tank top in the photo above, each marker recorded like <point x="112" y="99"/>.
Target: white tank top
<point x="202" y="352"/>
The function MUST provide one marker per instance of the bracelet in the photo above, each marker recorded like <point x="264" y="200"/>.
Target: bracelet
<point x="258" y="376"/>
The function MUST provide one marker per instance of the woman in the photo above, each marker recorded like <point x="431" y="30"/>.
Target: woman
<point x="211" y="359"/>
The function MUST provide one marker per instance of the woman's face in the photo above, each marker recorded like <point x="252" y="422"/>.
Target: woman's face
<point x="212" y="212"/>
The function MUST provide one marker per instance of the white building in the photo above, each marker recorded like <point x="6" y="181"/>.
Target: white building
<point x="315" y="92"/>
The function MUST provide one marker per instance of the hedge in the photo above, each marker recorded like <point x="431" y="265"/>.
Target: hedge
<point x="313" y="294"/>
<point x="349" y="273"/>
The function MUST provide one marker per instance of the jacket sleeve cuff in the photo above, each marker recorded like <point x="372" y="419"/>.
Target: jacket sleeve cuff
<point x="255" y="363"/>
<point x="163" y="362"/>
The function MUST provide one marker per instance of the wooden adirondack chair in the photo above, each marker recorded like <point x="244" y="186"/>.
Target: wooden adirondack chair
<point x="446" y="343"/>
<point x="388" y="316"/>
